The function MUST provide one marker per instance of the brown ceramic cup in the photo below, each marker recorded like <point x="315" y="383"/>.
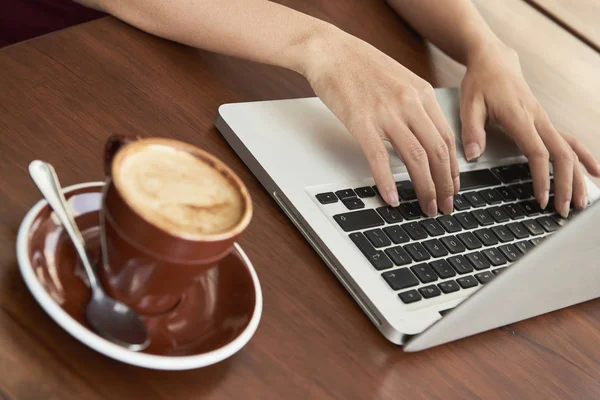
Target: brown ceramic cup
<point x="145" y="266"/>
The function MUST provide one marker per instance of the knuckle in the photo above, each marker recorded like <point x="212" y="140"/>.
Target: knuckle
<point x="440" y="152"/>
<point x="563" y="156"/>
<point x="539" y="152"/>
<point x="409" y="96"/>
<point x="416" y="153"/>
<point x="426" y="90"/>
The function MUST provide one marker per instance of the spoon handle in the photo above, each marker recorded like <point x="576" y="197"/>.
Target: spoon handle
<point x="45" y="178"/>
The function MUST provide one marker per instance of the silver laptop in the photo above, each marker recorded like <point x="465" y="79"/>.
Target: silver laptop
<point x="497" y="259"/>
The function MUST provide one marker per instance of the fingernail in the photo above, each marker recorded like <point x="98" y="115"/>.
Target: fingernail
<point x="393" y="198"/>
<point x="544" y="199"/>
<point x="472" y="151"/>
<point x="447" y="205"/>
<point x="432" y="208"/>
<point x="456" y="185"/>
<point x="583" y="202"/>
<point x="565" y="209"/>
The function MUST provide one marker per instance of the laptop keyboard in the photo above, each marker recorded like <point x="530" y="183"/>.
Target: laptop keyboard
<point x="496" y="221"/>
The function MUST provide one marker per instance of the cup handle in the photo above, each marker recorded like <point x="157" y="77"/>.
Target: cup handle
<point x="113" y="145"/>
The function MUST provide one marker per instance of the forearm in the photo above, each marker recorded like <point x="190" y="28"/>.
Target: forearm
<point x="256" y="30"/>
<point x="455" y="26"/>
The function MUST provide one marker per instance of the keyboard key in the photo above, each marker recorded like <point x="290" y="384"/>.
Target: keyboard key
<point x="507" y="193"/>
<point x="396" y="234"/>
<point x="390" y="214"/>
<point x="449" y="286"/>
<point x="460" y="204"/>
<point x="498" y="271"/>
<point x="514" y="211"/>
<point x="469" y="240"/>
<point x="483" y="217"/>
<point x="486" y="237"/>
<point x="523" y="190"/>
<point x="475" y="199"/>
<point x="466" y="220"/>
<point x="409" y="297"/>
<point x="485" y="276"/>
<point x="494" y="257"/>
<point x="345" y="194"/>
<point x="415" y="230"/>
<point x="353" y="203"/>
<point x="467" y="282"/>
<point x="378" y="238"/>
<point x="398" y="255"/>
<point x="430" y="291"/>
<point x="533" y="227"/>
<point x="477" y="179"/>
<point x="435" y="248"/>
<point x="510" y="252"/>
<point x="424" y="273"/>
<point x="460" y="264"/>
<point x="560" y="221"/>
<point x="365" y="191"/>
<point x="518" y="229"/>
<point x="442" y="268"/>
<point x="548" y="224"/>
<point x="512" y="173"/>
<point x="537" y="241"/>
<point x="400" y="278"/>
<point x="478" y="261"/>
<point x="453" y="244"/>
<point x="531" y="207"/>
<point x="327" y="198"/>
<point x="504" y="234"/>
<point x="376" y="257"/>
<point x="432" y="227"/>
<point x="409" y="211"/>
<point x="524" y="246"/>
<point x="491" y="196"/>
<point x="406" y="190"/>
<point x="449" y="223"/>
<point x="354" y="221"/>
<point x="498" y="214"/>
<point x="417" y="252"/>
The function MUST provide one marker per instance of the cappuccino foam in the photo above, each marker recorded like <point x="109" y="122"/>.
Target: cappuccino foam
<point x="178" y="192"/>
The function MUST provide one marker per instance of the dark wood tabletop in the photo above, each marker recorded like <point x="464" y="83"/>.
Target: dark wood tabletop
<point x="581" y="17"/>
<point x="64" y="93"/>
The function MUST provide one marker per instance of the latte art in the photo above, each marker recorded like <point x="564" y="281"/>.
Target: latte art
<point x="178" y="192"/>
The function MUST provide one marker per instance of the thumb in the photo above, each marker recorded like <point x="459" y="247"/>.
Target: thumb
<point x="473" y="115"/>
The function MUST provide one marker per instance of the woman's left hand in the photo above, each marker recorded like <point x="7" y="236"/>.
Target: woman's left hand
<point x="494" y="88"/>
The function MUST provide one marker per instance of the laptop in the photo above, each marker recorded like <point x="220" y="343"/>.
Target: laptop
<point x="497" y="259"/>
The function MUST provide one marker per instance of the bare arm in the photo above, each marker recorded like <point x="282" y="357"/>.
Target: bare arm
<point x="256" y="30"/>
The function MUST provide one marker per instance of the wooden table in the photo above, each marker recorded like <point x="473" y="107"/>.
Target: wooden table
<point x="63" y="94"/>
<point x="580" y="17"/>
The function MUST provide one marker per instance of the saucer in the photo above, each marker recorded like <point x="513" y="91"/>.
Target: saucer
<point x="214" y="319"/>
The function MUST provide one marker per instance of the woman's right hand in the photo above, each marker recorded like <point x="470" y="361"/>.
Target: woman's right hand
<point x="378" y="100"/>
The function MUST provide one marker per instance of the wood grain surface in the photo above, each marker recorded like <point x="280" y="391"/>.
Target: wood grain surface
<point x="580" y="17"/>
<point x="63" y="94"/>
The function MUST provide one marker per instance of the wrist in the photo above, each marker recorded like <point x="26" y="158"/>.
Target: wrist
<point x="313" y="49"/>
<point x="490" y="51"/>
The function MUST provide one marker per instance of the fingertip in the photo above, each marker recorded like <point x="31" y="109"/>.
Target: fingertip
<point x="472" y="151"/>
<point x="392" y="197"/>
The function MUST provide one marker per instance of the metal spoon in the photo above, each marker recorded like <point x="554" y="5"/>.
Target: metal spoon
<point x="110" y="318"/>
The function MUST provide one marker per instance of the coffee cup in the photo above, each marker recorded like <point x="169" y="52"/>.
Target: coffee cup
<point x="170" y="212"/>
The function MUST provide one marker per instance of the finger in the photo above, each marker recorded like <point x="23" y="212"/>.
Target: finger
<point x="438" y="156"/>
<point x="526" y="137"/>
<point x="473" y="115"/>
<point x="562" y="163"/>
<point x="585" y="156"/>
<point x="579" y="186"/>
<point x="379" y="163"/>
<point x="415" y="158"/>
<point x="439" y="120"/>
